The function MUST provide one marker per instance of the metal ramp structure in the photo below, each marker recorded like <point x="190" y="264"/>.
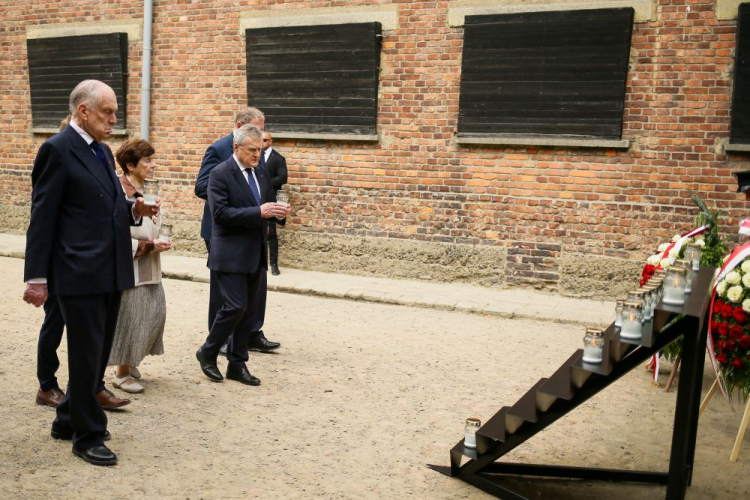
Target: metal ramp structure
<point x="575" y="382"/>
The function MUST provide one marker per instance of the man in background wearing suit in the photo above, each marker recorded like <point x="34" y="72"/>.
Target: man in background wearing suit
<point x="239" y="197"/>
<point x="276" y="166"/>
<point x="78" y="248"/>
<point x="218" y="152"/>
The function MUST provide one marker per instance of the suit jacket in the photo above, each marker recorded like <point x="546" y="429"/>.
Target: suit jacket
<point x="276" y="166"/>
<point x="79" y="232"/>
<point x="216" y="153"/>
<point x="239" y="234"/>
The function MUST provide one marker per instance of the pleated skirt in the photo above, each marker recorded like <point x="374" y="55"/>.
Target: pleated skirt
<point x="140" y="325"/>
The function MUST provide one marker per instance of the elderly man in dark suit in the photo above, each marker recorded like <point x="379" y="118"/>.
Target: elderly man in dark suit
<point x="219" y="152"/>
<point x="276" y="166"/>
<point x="78" y="247"/>
<point x="239" y="197"/>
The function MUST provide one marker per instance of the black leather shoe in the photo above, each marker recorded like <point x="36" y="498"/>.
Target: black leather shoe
<point x="67" y="436"/>
<point x="223" y="350"/>
<point x="262" y="345"/>
<point x="275" y="270"/>
<point x="209" y="367"/>
<point x="97" y="455"/>
<point x="242" y="375"/>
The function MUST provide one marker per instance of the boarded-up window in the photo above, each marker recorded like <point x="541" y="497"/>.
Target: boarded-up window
<point x="740" y="132"/>
<point x="315" y="79"/>
<point x="57" y="65"/>
<point x="545" y="73"/>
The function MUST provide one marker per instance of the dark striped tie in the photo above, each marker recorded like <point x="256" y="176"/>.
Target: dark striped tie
<point x="253" y="186"/>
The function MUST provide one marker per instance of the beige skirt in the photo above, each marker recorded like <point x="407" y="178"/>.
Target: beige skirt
<point x="140" y="325"/>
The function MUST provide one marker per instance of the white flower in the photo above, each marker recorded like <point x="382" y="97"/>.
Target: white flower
<point x="746" y="281"/>
<point x="663" y="247"/>
<point x="745" y="266"/>
<point x="665" y="263"/>
<point x="721" y="288"/>
<point x="654" y="259"/>
<point x="676" y="238"/>
<point x="701" y="242"/>
<point x="733" y="277"/>
<point x="673" y="253"/>
<point x="746" y="305"/>
<point x="734" y="294"/>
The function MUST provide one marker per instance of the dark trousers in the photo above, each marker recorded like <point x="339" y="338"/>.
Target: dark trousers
<point x="91" y="321"/>
<point x="215" y="301"/>
<point x="50" y="336"/>
<point x="273" y="243"/>
<point x="242" y="298"/>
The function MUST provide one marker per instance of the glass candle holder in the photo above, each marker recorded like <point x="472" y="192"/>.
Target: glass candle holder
<point x="470" y="432"/>
<point x="632" y="318"/>
<point x="653" y="292"/>
<point x="150" y="191"/>
<point x="165" y="233"/>
<point x="593" y="345"/>
<point x="283" y="198"/>
<point x="693" y="253"/>
<point x="674" y="286"/>
<point x="648" y="302"/>
<point x="658" y="284"/>
<point x="618" y="312"/>
<point x="639" y="296"/>
<point x="689" y="273"/>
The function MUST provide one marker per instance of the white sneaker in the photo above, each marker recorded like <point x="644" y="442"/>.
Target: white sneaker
<point x="134" y="372"/>
<point x="127" y="384"/>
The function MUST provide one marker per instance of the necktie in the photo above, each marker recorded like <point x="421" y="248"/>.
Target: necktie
<point x="253" y="186"/>
<point x="99" y="153"/>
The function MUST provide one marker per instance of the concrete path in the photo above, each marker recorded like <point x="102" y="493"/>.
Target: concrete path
<point x="506" y="303"/>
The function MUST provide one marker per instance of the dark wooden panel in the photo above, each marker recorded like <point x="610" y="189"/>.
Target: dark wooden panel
<point x="740" y="123"/>
<point x="554" y="73"/>
<point x="315" y="79"/>
<point x="57" y="65"/>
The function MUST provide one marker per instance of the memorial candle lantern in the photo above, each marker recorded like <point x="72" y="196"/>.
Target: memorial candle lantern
<point x="150" y="191"/>
<point x="693" y="253"/>
<point x="618" y="312"/>
<point x="470" y="432"/>
<point x="648" y="302"/>
<point x="165" y="233"/>
<point x="674" y="286"/>
<point x="639" y="296"/>
<point x="593" y="345"/>
<point x="687" y="265"/>
<point x="632" y="316"/>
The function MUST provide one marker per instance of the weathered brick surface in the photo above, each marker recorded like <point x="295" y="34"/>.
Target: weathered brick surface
<point x="540" y="204"/>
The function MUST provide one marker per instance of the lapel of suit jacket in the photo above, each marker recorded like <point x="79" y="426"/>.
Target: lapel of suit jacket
<point x="239" y="176"/>
<point x="89" y="160"/>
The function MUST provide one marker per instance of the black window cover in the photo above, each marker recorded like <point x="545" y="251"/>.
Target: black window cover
<point x="740" y="131"/>
<point x="545" y="73"/>
<point x="57" y="65"/>
<point x="315" y="79"/>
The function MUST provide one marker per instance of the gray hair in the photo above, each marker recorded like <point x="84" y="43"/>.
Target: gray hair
<point x="247" y="131"/>
<point x="88" y="92"/>
<point x="249" y="114"/>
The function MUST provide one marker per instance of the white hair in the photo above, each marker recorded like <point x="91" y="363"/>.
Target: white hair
<point x="247" y="131"/>
<point x="88" y="92"/>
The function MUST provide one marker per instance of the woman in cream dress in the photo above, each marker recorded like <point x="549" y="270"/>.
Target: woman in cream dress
<point x="143" y="309"/>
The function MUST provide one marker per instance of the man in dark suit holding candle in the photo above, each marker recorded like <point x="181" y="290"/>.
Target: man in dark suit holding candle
<point x="239" y="197"/>
<point x="78" y="247"/>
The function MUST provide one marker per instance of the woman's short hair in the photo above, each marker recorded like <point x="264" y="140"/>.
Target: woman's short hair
<point x="132" y="151"/>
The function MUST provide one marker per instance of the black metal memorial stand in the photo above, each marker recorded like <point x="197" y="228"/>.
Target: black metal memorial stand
<point x="575" y="382"/>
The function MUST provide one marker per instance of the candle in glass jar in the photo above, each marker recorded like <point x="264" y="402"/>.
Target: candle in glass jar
<point x="618" y="312"/>
<point x="632" y="316"/>
<point x="674" y="286"/>
<point x="470" y="432"/>
<point x="693" y="253"/>
<point x="150" y="191"/>
<point x="593" y="346"/>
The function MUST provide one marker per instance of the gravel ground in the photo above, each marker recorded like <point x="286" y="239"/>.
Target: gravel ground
<point x="358" y="400"/>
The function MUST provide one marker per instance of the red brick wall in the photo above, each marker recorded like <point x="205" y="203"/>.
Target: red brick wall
<point x="416" y="182"/>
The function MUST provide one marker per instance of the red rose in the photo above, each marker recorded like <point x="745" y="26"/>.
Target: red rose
<point x="740" y="316"/>
<point x="729" y="345"/>
<point x="648" y="271"/>
<point x="745" y="341"/>
<point x="726" y="311"/>
<point x="719" y="345"/>
<point x="737" y="363"/>
<point x="722" y="358"/>
<point x="723" y="329"/>
<point x="735" y="332"/>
